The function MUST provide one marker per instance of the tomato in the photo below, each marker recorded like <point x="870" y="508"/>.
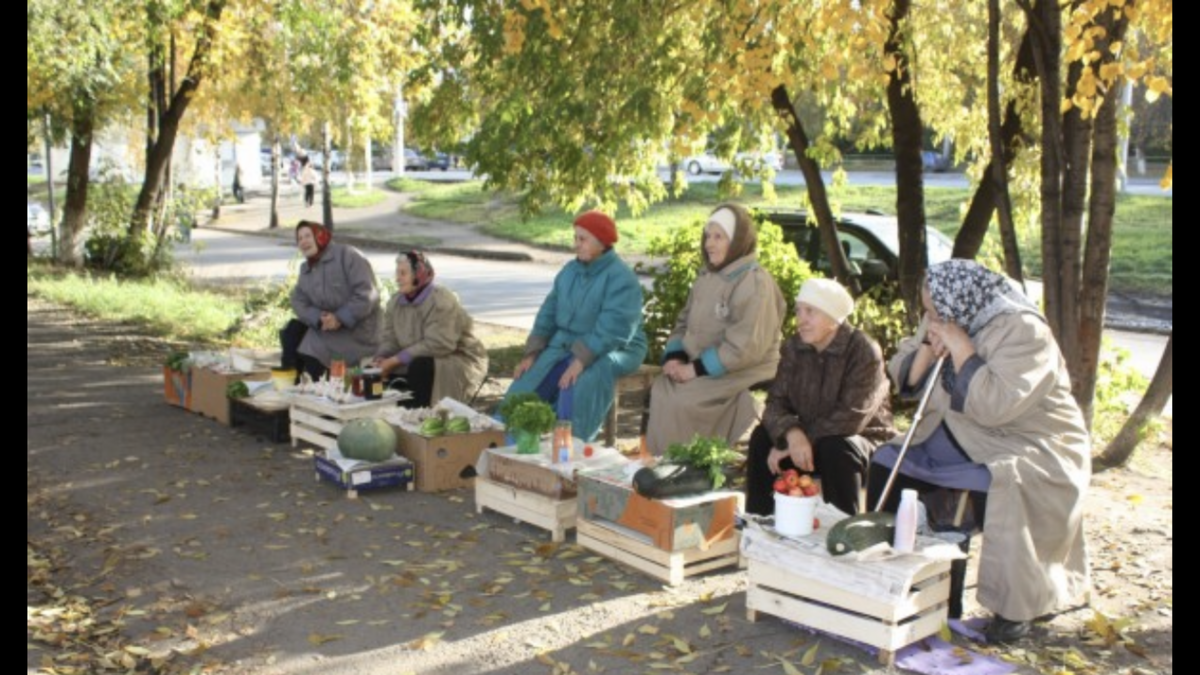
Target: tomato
<point x="816" y="523"/>
<point x="587" y="451"/>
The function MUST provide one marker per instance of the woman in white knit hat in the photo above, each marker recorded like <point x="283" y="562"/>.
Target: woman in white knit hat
<point x="725" y="340"/>
<point x="828" y="408"/>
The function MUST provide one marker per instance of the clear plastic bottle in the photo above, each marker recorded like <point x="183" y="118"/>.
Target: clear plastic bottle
<point x="906" y="522"/>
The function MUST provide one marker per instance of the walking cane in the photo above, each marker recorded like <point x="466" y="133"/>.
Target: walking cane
<point x="933" y="380"/>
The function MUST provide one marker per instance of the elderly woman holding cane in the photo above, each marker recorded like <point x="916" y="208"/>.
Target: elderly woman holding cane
<point x="588" y="332"/>
<point x="1002" y="424"/>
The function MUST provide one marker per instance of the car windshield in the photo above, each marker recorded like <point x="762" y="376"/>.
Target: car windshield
<point x="884" y="228"/>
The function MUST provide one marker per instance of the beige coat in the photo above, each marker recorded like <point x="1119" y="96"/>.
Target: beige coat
<point x="438" y="327"/>
<point x="733" y="323"/>
<point x="1018" y="417"/>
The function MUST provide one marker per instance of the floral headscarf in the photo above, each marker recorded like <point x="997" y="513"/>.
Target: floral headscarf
<point x="742" y="243"/>
<point x="422" y="271"/>
<point x="321" y="235"/>
<point x="970" y="295"/>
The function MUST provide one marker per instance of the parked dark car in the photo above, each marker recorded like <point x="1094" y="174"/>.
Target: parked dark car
<point x="439" y="161"/>
<point x="870" y="241"/>
<point x="415" y="161"/>
<point x="934" y="161"/>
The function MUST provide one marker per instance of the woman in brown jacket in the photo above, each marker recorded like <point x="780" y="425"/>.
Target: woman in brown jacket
<point x="828" y="408"/>
<point x="428" y="338"/>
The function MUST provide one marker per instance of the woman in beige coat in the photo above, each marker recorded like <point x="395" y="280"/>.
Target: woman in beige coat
<point x="428" y="341"/>
<point x="725" y="340"/>
<point x="1000" y="421"/>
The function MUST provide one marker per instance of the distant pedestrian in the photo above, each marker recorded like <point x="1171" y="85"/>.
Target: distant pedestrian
<point x="308" y="178"/>
<point x="238" y="193"/>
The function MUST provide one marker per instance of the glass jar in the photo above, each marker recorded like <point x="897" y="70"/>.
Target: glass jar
<point x="563" y="442"/>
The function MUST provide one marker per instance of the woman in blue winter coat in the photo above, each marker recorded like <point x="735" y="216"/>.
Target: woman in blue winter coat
<point x="588" y="332"/>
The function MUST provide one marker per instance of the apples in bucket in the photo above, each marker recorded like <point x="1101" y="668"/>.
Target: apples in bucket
<point x="795" y="484"/>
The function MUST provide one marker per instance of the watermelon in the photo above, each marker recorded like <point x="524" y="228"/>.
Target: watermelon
<point x="860" y="532"/>
<point x="368" y="439"/>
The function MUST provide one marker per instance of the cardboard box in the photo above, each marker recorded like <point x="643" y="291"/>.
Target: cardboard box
<point x="606" y="495"/>
<point x="507" y="467"/>
<point x="208" y="390"/>
<point x="177" y="387"/>
<point x="270" y="418"/>
<point x="441" y="460"/>
<point x="390" y="473"/>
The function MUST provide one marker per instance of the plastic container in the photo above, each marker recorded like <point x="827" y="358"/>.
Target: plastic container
<point x="794" y="515"/>
<point x="906" y="522"/>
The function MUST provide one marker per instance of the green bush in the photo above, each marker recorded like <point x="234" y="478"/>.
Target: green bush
<point x="882" y="314"/>
<point x="672" y="280"/>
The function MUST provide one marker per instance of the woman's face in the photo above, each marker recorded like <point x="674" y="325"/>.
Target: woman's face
<point x="306" y="242"/>
<point x="927" y="301"/>
<point x="405" y="279"/>
<point x="587" y="246"/>
<point x="814" y="327"/>
<point x="716" y="244"/>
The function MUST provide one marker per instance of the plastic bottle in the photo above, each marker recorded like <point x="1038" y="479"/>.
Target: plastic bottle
<point x="906" y="522"/>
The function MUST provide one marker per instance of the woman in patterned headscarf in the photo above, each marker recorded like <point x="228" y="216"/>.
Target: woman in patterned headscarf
<point x="336" y="302"/>
<point x="1000" y="422"/>
<point x="428" y="339"/>
<point x="725" y="340"/>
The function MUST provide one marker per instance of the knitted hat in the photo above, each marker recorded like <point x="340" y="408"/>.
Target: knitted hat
<point x="600" y="226"/>
<point x="828" y="296"/>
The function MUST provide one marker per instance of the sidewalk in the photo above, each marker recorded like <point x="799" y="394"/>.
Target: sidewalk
<point x="382" y="226"/>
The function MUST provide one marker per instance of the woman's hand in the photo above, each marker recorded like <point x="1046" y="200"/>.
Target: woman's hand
<point x="947" y="337"/>
<point x="571" y="374"/>
<point x="774" y="458"/>
<point x="386" y="365"/>
<point x="684" y="373"/>
<point x="671" y="368"/>
<point x="800" y="449"/>
<point x="525" y="364"/>
<point x="329" y="321"/>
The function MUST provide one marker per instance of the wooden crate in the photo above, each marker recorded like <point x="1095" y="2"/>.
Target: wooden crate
<point x="319" y="421"/>
<point x="629" y="547"/>
<point x="548" y="513"/>
<point x="802" y="595"/>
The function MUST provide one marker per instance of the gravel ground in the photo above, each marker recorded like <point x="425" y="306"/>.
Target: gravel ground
<point x="161" y="542"/>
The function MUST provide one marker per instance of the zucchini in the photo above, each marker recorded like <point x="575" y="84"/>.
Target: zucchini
<point x="861" y="532"/>
<point x="667" y="480"/>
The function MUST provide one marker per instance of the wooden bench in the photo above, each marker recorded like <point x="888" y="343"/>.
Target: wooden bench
<point x="638" y="380"/>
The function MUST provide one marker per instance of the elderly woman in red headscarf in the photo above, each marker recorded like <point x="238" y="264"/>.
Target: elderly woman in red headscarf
<point x="428" y="338"/>
<point x="336" y="301"/>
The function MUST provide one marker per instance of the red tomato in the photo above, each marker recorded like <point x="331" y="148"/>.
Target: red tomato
<point x="587" y="451"/>
<point x="816" y="523"/>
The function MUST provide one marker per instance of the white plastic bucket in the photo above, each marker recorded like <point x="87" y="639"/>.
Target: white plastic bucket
<point x="794" y="515"/>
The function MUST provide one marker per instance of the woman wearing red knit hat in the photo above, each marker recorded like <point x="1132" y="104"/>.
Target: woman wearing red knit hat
<point x="588" y="332"/>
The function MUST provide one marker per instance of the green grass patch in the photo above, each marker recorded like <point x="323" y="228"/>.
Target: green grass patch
<point x="1142" y="237"/>
<point x="164" y="307"/>
<point x="344" y="199"/>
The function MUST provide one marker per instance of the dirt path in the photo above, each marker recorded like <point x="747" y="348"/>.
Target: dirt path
<point x="160" y="540"/>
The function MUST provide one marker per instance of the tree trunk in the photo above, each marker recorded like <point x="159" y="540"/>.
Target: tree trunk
<point x="276" y="158"/>
<point x="1048" y="22"/>
<point x="1097" y="254"/>
<point x="1077" y="144"/>
<point x="160" y="153"/>
<point x="975" y="225"/>
<point x="75" y="208"/>
<point x="1122" y="446"/>
<point x="817" y="196"/>
<point x="907" y="131"/>
<point x="326" y="197"/>
<point x="999" y="169"/>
